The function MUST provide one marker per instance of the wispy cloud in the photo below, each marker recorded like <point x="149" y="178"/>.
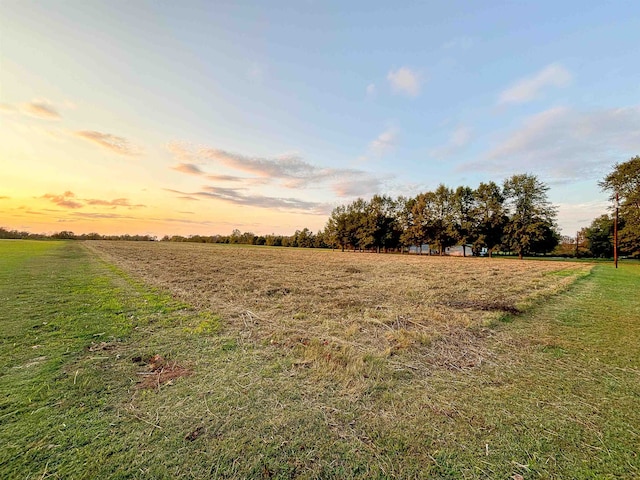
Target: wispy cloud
<point x="566" y="144"/>
<point x="70" y="200"/>
<point x="289" y="171"/>
<point x="239" y="197"/>
<point x="98" y="215"/>
<point x="530" y="88"/>
<point x="405" y="81"/>
<point x="188" y="168"/>
<point x="229" y="178"/>
<point x="118" y="202"/>
<point x="66" y="200"/>
<point x="119" y="145"/>
<point x="41" y="109"/>
<point x="33" y="212"/>
<point x="4" y="197"/>
<point x="182" y="151"/>
<point x="181" y="195"/>
<point x="458" y="139"/>
<point x="384" y="142"/>
<point x="286" y="166"/>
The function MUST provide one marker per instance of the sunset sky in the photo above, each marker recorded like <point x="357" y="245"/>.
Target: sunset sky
<point x="187" y="117"/>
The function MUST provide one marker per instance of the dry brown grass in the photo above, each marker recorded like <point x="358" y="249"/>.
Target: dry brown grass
<point x="339" y="308"/>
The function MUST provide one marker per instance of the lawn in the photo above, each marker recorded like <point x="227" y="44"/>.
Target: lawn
<point x="164" y="361"/>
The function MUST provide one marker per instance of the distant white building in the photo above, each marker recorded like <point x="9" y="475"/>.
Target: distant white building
<point x="455" y="251"/>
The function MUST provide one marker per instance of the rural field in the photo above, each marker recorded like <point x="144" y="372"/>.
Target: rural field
<point x="182" y="360"/>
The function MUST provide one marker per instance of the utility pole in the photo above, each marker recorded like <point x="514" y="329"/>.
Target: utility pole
<point x="615" y="234"/>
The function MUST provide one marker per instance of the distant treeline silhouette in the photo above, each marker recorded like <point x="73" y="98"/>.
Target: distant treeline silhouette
<point x="67" y="235"/>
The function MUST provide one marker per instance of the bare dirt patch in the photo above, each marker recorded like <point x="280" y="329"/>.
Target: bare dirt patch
<point x="160" y="372"/>
<point x="357" y="303"/>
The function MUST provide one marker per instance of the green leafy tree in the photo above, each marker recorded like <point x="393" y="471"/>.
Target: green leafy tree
<point x="599" y="237"/>
<point x="418" y="220"/>
<point x="489" y="218"/>
<point x="464" y="205"/>
<point x="410" y="231"/>
<point x="337" y="228"/>
<point x="531" y="216"/>
<point x="625" y="181"/>
<point x="381" y="228"/>
<point x="358" y="228"/>
<point x="441" y="225"/>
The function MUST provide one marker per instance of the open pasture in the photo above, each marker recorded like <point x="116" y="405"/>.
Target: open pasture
<point x="150" y="360"/>
<point x="354" y="304"/>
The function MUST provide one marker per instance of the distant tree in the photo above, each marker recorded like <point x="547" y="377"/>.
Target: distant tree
<point x="625" y="181"/>
<point x="599" y="237"/>
<point x="531" y="216"/>
<point x="273" y="240"/>
<point x="406" y="222"/>
<point x="337" y="230"/>
<point x="417" y="220"/>
<point x="573" y="246"/>
<point x="566" y="247"/>
<point x="441" y="225"/>
<point x="303" y="238"/>
<point x="547" y="240"/>
<point x="463" y="215"/>
<point x="64" y="235"/>
<point x="489" y="218"/>
<point x="235" y="237"/>
<point x="320" y="240"/>
<point x="379" y="228"/>
<point x="358" y="229"/>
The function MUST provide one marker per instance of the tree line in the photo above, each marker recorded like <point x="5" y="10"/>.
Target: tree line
<point x="515" y="217"/>
<point x="68" y="235"/>
<point x="304" y="238"/>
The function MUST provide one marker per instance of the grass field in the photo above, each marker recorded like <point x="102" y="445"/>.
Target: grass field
<point x="197" y="361"/>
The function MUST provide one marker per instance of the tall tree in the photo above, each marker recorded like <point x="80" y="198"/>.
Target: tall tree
<point x="490" y="217"/>
<point x="442" y="228"/>
<point x="380" y="227"/>
<point x="412" y="232"/>
<point x="337" y="230"/>
<point x="531" y="216"/>
<point x="463" y="215"/>
<point x="358" y="230"/>
<point x="624" y="180"/>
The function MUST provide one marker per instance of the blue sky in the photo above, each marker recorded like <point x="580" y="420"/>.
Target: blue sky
<point x="199" y="117"/>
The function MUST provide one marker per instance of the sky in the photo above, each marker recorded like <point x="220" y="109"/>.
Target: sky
<point x="162" y="117"/>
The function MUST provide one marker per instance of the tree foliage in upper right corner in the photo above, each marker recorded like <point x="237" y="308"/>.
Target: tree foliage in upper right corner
<point x="625" y="181"/>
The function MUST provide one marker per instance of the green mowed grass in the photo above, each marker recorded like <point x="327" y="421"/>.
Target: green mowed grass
<point x="557" y="397"/>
